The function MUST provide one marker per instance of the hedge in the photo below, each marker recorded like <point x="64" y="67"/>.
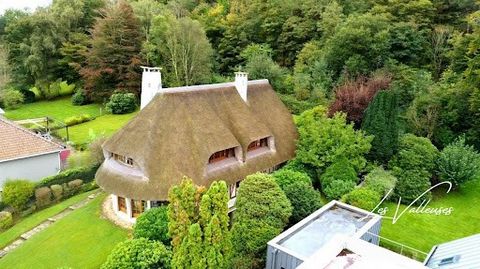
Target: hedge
<point x="86" y="174"/>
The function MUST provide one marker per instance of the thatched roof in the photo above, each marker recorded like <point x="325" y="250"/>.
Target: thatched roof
<point x="179" y="130"/>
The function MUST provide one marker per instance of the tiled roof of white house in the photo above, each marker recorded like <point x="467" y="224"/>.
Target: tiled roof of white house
<point x="463" y="253"/>
<point x="17" y="142"/>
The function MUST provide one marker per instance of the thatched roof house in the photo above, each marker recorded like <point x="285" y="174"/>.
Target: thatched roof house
<point x="206" y="132"/>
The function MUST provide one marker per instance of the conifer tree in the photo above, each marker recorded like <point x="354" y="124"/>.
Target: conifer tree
<point x="381" y="121"/>
<point x="198" y="226"/>
<point x="113" y="61"/>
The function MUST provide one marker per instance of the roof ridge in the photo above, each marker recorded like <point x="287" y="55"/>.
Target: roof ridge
<point x="25" y="130"/>
<point x="194" y="88"/>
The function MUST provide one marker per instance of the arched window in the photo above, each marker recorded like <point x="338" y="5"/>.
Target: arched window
<point x="222" y="155"/>
<point x="258" y="144"/>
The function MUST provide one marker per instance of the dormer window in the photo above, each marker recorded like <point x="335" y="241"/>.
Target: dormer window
<point x="122" y="159"/>
<point x="258" y="144"/>
<point x="222" y="155"/>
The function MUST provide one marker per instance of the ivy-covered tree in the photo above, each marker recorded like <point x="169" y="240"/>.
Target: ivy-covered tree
<point x="381" y="121"/>
<point x="113" y="61"/>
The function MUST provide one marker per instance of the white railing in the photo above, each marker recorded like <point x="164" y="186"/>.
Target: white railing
<point x="400" y="248"/>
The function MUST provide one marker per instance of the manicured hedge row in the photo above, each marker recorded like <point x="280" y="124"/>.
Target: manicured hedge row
<point x="87" y="174"/>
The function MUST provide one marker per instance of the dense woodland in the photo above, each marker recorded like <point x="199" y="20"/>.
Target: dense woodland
<point x="385" y="93"/>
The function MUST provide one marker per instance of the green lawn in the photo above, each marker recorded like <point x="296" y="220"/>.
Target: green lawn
<point x="103" y="125"/>
<point x="58" y="109"/>
<point x="423" y="231"/>
<point x="62" y="108"/>
<point x="80" y="240"/>
<point x="35" y="219"/>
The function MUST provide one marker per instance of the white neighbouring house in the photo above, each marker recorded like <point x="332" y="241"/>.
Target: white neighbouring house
<point x="223" y="131"/>
<point x="26" y="155"/>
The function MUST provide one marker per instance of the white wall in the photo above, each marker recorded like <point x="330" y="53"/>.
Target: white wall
<point x="32" y="168"/>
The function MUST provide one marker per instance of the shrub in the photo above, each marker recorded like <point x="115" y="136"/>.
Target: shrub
<point x="86" y="174"/>
<point x="139" y="253"/>
<point x="80" y="98"/>
<point x="380" y="181"/>
<point x="50" y="91"/>
<point x="285" y="177"/>
<point x="262" y="212"/>
<point x="260" y="197"/>
<point x="89" y="186"/>
<point x="57" y="191"/>
<point x="75" y="186"/>
<point x="364" y="198"/>
<point x="122" y="103"/>
<point x="12" y="99"/>
<point x="339" y="179"/>
<point x="458" y="163"/>
<point x="153" y="225"/>
<point x="353" y="97"/>
<point x="37" y="92"/>
<point x="324" y="140"/>
<point x="66" y="89"/>
<point x="28" y="96"/>
<point x="304" y="199"/>
<point x="17" y="193"/>
<point x="74" y="120"/>
<point x="411" y="184"/>
<point x="96" y="150"/>
<point x="6" y="220"/>
<point x="415" y="153"/>
<point x="43" y="196"/>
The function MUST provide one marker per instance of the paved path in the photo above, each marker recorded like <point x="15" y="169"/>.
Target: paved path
<point x="24" y="237"/>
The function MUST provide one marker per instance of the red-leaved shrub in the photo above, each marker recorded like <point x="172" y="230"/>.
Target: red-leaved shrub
<point x="354" y="96"/>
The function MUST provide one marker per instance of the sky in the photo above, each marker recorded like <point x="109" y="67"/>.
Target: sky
<point x="21" y="4"/>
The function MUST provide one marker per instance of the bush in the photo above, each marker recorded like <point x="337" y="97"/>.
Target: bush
<point x="153" y="225"/>
<point x="75" y="186"/>
<point x="6" y="220"/>
<point x="139" y="253"/>
<point x="12" y="99"/>
<point x="122" y="103"/>
<point x="28" y="96"/>
<point x="380" y="181"/>
<point x="38" y="94"/>
<point x="43" y="197"/>
<point x="415" y="153"/>
<point x="354" y="97"/>
<point x="325" y="140"/>
<point x="458" y="163"/>
<point x="57" y="191"/>
<point x="262" y="212"/>
<point x="89" y="186"/>
<point x="17" y="193"/>
<point x="304" y="199"/>
<point x="364" y="198"/>
<point x="86" y="174"/>
<point x="411" y="184"/>
<point x="285" y="177"/>
<point x="339" y="178"/>
<point x="66" y="89"/>
<point x="80" y="98"/>
<point x="74" y="120"/>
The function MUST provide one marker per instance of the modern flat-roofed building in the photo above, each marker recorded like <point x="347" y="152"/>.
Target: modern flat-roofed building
<point x="463" y="253"/>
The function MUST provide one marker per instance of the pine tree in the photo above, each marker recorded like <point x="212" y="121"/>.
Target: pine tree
<point x="381" y="121"/>
<point x="113" y="61"/>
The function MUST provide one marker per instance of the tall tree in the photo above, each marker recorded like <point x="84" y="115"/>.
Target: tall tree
<point x="180" y="45"/>
<point x="381" y="122"/>
<point x="198" y="225"/>
<point x="114" y="57"/>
